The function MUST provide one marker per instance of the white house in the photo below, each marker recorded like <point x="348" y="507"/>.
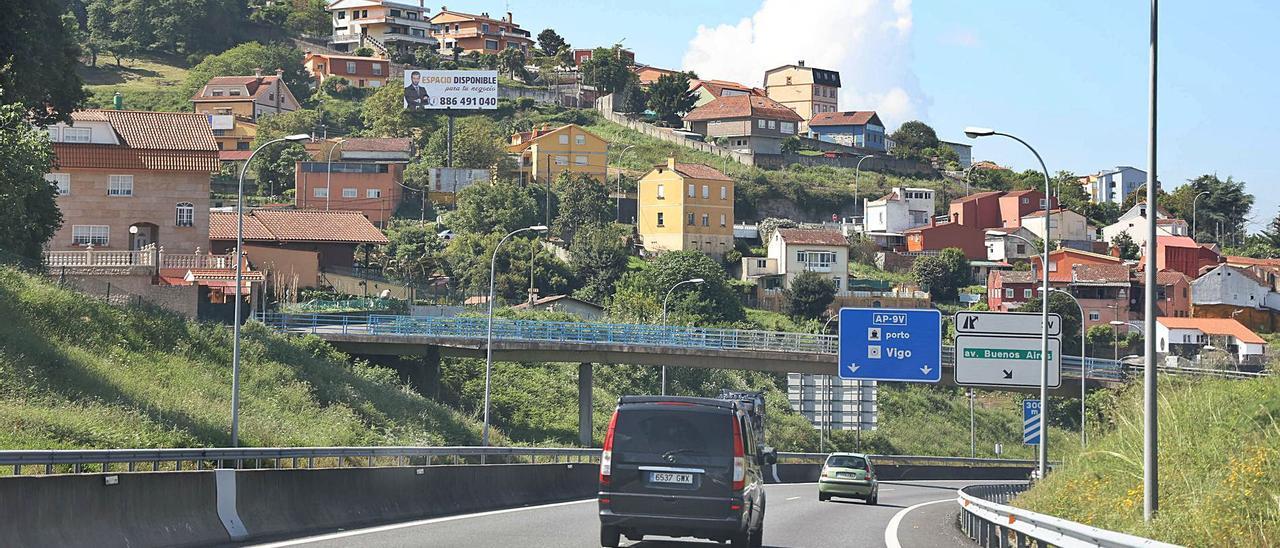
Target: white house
<point x="1194" y="337"/>
<point x="901" y="209"/>
<point x="796" y="250"/>
<point x="1066" y="225"/>
<point x="1009" y="247"/>
<point x="1233" y="286"/>
<point x="1134" y="223"/>
<point x="1113" y="185"/>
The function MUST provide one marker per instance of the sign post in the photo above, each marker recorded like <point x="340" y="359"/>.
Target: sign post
<point x="1031" y="422"/>
<point x="878" y="344"/>
<point x="1003" y="349"/>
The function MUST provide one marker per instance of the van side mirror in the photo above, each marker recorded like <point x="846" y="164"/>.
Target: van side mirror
<point x="769" y="456"/>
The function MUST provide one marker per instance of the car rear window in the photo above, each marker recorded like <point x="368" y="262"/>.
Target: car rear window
<point x="662" y="431"/>
<point x="856" y="463"/>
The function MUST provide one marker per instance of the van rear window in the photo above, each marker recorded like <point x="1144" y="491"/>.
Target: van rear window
<point x="690" y="433"/>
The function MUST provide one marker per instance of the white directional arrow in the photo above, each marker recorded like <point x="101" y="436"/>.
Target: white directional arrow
<point x="926" y="369"/>
<point x="853" y="368"/>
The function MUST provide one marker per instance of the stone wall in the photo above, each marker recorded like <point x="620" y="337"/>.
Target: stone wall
<point x="123" y="288"/>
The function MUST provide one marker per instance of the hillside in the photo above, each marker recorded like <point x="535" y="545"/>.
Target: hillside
<point x="1219" y="467"/>
<point x="76" y="373"/>
<point x="145" y="83"/>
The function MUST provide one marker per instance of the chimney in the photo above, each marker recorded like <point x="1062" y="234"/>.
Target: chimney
<point x="279" y="73"/>
<point x="800" y="62"/>
<point x="258" y="72"/>
<point x="509" y="18"/>
<point x="671" y="163"/>
<point x="1115" y="251"/>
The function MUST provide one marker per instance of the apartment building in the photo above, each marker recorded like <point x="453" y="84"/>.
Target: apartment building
<point x="478" y="33"/>
<point x="361" y="72"/>
<point x="127" y="179"/>
<point x="806" y="90"/>
<point x="686" y="207"/>
<point x="1113" y="185"/>
<point x="365" y="176"/>
<point x="545" y="153"/>
<point x="901" y="209"/>
<point x="382" y="25"/>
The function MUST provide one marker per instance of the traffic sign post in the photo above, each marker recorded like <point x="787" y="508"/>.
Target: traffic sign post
<point x="1003" y="349"/>
<point x="879" y="344"/>
<point x="1031" y="422"/>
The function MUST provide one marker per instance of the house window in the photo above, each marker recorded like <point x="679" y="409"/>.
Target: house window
<point x="375" y="83"/>
<point x="1043" y="203"/>
<point x="692" y="220"/>
<point x="706" y="192"/>
<point x="217" y="93"/>
<point x="1026" y="293"/>
<point x="395" y="13"/>
<point x="62" y="181"/>
<point x="1094" y="316"/>
<point x="760" y="123"/>
<point x="235" y="93"/>
<point x="580" y="160"/>
<point x="377" y="69"/>
<point x="373" y="193"/>
<point x="1053" y="267"/>
<point x="320" y="192"/>
<point x="342" y="15"/>
<point x="97" y="235"/>
<point x="787" y="127"/>
<point x="724" y="193"/>
<point x="120" y="185"/>
<point x="490" y="44"/>
<point x="662" y="194"/>
<point x="762" y="263"/>
<point x="53" y="133"/>
<point x="1022" y="249"/>
<point x="693" y="191"/>
<point x="349" y="193"/>
<point x="76" y="135"/>
<point x="351" y="67"/>
<point x="660" y="219"/>
<point x="184" y="214"/>
<point x="484" y="27"/>
<point x="722" y="219"/>
<point x="1008" y="292"/>
<point x="835" y="280"/>
<point x="564" y="139"/>
<point x="580" y="139"/>
<point x="706" y="220"/>
<point x="562" y="160"/>
<point x="773" y="124"/>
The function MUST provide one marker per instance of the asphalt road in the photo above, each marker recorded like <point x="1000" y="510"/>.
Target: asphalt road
<point x="910" y="514"/>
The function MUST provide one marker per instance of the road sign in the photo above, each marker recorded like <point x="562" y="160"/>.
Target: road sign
<point x="1003" y="349"/>
<point x="882" y="344"/>
<point x="1031" y="422"/>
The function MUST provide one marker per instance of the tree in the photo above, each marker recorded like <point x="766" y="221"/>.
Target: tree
<point x="598" y="257"/>
<point x="1061" y="305"/>
<point x="791" y="145"/>
<point x="1221" y="214"/>
<point x="640" y="294"/>
<point x="384" y="115"/>
<point x="606" y="70"/>
<point x="38" y="56"/>
<point x="276" y="166"/>
<point x="476" y="144"/>
<point x="468" y="257"/>
<point x="511" y="61"/>
<point x="1128" y="249"/>
<point x="581" y="202"/>
<point x="309" y="17"/>
<point x="943" y="274"/>
<point x="551" y="42"/>
<point x="28" y="200"/>
<point x="809" y="295"/>
<point x="414" y="253"/>
<point x="499" y="207"/>
<point x="244" y="59"/>
<point x="912" y="138"/>
<point x="634" y="98"/>
<point x="670" y="98"/>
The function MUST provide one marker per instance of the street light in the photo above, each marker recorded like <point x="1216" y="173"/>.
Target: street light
<point x="857" y="168"/>
<point x="239" y="263"/>
<point x="1193" y="212"/>
<point x="488" y="345"/>
<point x="664" y="320"/>
<point x="328" y="172"/>
<point x="974" y="133"/>
<point x="618" y="213"/>
<point x="1084" y="364"/>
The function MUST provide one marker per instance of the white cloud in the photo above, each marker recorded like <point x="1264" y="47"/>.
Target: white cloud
<point x="867" y="41"/>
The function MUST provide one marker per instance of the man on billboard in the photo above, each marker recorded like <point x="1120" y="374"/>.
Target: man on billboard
<point x="415" y="96"/>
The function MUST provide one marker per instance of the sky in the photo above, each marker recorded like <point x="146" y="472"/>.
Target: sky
<point x="1070" y="78"/>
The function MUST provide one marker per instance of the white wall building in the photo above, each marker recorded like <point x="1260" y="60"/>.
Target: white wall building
<point x="899" y="210"/>
<point x="1192" y="337"/>
<point x="1113" y="185"/>
<point x="1134" y="223"/>
<point x="1066" y="225"/>
<point x="1009" y="248"/>
<point x="796" y="250"/>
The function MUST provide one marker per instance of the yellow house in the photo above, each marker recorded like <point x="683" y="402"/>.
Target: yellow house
<point x="545" y="153"/>
<point x="806" y="90"/>
<point x="686" y="207"/>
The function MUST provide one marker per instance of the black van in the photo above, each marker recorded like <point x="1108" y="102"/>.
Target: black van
<point x="682" y="467"/>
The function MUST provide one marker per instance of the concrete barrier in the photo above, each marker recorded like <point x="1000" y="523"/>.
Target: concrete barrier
<point x="808" y="473"/>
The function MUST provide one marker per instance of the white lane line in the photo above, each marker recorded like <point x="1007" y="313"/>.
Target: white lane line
<point x="888" y="489"/>
<point x="794" y="498"/>
<point x="394" y="526"/>
<point x="891" y="532"/>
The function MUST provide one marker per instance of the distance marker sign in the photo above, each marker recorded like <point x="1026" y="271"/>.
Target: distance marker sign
<point x="881" y="344"/>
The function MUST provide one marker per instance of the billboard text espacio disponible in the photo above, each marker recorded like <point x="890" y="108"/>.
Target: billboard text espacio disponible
<point x="450" y="89"/>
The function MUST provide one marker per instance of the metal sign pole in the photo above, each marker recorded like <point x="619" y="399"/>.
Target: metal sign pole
<point x="1150" y="448"/>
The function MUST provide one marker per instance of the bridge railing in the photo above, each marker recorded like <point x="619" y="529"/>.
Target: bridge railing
<point x="988" y="519"/>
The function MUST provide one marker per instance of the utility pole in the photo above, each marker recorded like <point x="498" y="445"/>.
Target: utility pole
<point x="1150" y="447"/>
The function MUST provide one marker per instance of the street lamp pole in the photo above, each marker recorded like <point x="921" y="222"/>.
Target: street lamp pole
<point x="1150" y="445"/>
<point x="1043" y="464"/>
<point x="488" y="345"/>
<point x="857" y="169"/>
<point x="665" y="300"/>
<point x="618" y="213"/>
<point x="239" y="264"/>
<point x="1084" y="364"/>
<point x="1193" y="212"/>
<point x="328" y="172"/>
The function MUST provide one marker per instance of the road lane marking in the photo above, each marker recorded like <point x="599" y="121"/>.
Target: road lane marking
<point x="394" y="526"/>
<point x="891" y="532"/>
<point x="794" y="498"/>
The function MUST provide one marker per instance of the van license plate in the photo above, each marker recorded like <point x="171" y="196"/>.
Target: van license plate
<point x="668" y="477"/>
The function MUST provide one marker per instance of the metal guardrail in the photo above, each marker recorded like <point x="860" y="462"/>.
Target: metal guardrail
<point x="988" y="519"/>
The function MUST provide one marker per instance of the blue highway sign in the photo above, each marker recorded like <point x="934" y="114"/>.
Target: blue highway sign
<point x="1031" y="422"/>
<point x="879" y="344"/>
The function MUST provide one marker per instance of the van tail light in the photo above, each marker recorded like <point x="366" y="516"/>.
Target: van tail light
<point x="606" y="455"/>
<point x="739" y="457"/>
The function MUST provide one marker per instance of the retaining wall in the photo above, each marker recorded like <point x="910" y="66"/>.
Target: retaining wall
<point x="808" y="473"/>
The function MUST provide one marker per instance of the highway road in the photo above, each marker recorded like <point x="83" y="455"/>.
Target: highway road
<point x="910" y="514"/>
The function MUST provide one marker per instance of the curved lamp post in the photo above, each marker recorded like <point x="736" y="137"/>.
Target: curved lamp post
<point x="1043" y="464"/>
<point x="239" y="265"/>
<point x="1193" y="212"/>
<point x="857" y="169"/>
<point x="617" y="215"/>
<point x="488" y="345"/>
<point x="1084" y="364"/>
<point x="665" y="300"/>
<point x="328" y="172"/>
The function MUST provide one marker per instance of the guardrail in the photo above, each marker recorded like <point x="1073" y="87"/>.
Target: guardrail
<point x="990" y="521"/>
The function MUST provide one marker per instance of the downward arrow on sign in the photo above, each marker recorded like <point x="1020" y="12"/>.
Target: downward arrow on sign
<point x="853" y="368"/>
<point x="926" y="369"/>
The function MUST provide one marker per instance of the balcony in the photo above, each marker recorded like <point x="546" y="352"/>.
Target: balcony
<point x="395" y="37"/>
<point x="344" y="38"/>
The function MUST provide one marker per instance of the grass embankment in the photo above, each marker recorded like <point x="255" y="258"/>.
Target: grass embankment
<point x="1219" y="467"/>
<point x="146" y="83"/>
<point x="76" y="373"/>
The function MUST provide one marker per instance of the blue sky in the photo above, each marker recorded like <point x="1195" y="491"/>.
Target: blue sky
<point x="1068" y="77"/>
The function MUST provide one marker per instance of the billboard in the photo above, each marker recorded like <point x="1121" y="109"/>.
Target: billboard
<point x="450" y="89"/>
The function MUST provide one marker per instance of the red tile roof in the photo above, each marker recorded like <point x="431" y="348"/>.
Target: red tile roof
<point x="1099" y="274"/>
<point x="1214" y="326"/>
<point x="234" y="155"/>
<point x="718" y="87"/>
<point x="380" y="144"/>
<point x="297" y="225"/>
<point x="743" y="106"/>
<point x="977" y="196"/>
<point x="699" y="171"/>
<point x="89" y="156"/>
<point x="156" y="130"/>
<point x="846" y="118"/>
<point x="812" y="236"/>
<point x="1177" y="241"/>
<point x="1170" y="277"/>
<point x="256" y="85"/>
<point x="1014" y="276"/>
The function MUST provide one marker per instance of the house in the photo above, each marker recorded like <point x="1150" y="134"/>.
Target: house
<point x="545" y="153"/>
<point x="745" y="123"/>
<point x="1265" y="269"/>
<point x="1113" y="185"/>
<point x="806" y="90"/>
<point x="1173" y="294"/>
<point x="126" y="179"/>
<point x="565" y="304"/>
<point x="1063" y="260"/>
<point x="1227" y="291"/>
<point x="964" y="152"/>
<point x="650" y="74"/>
<point x="1010" y="246"/>
<point x="1199" y="337"/>
<point x="685" y="207"/>
<point x="234" y="136"/>
<point x="901" y="209"/>
<point x="365" y="176"/>
<point x="1103" y="291"/>
<point x="245" y="97"/>
<point x="478" y="33"/>
<point x="296" y="246"/>
<point x="1009" y="289"/>
<point x="1016" y="204"/>
<point x="939" y="236"/>
<point x="444" y="183"/>
<point x="361" y="72"/>
<point x="1182" y="254"/>
<point x="1065" y="226"/>
<point x="1134" y="223"/>
<point x="980" y="210"/>
<point x="710" y="90"/>
<point x="582" y="55"/>
<point x="381" y="25"/>
<point x="795" y="250"/>
<point x="851" y="128"/>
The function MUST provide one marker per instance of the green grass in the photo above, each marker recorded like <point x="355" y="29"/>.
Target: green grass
<point x="146" y="83"/>
<point x="1219" y="466"/>
<point x="870" y="272"/>
<point x="76" y="373"/>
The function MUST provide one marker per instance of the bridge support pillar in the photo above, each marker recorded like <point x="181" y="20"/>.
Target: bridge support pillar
<point x="584" y="405"/>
